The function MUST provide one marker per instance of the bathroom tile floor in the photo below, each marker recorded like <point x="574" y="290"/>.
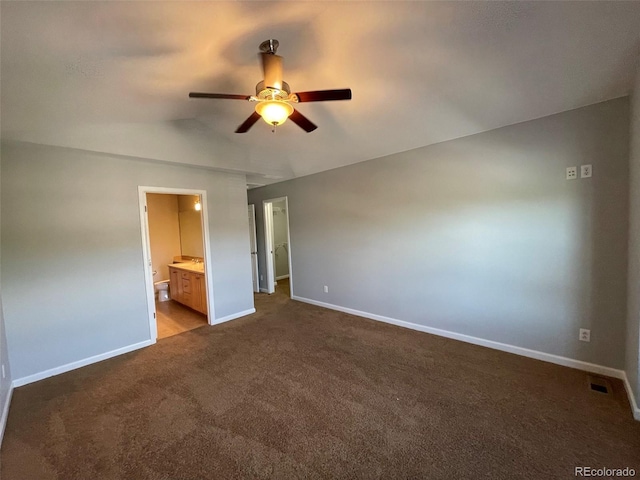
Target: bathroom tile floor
<point x="174" y="318"/>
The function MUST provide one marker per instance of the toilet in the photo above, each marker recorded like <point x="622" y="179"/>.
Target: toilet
<point x="162" y="288"/>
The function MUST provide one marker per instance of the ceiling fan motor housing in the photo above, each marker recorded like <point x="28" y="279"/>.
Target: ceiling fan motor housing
<point x="267" y="93"/>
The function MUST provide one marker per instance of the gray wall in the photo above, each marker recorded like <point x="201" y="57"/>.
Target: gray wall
<point x="481" y="235"/>
<point x="72" y="259"/>
<point x="633" y="319"/>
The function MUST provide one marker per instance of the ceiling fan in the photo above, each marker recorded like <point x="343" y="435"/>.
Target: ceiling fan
<point x="273" y="96"/>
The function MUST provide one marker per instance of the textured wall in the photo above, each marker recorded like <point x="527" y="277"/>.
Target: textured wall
<point x="481" y="235"/>
<point x="72" y="260"/>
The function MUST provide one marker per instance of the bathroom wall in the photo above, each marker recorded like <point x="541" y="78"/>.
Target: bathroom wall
<point x="190" y="226"/>
<point x="164" y="232"/>
<point x="280" y="239"/>
<point x="73" y="285"/>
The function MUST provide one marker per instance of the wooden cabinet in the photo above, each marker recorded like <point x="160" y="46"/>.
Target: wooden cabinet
<point x="188" y="288"/>
<point x="175" y="284"/>
<point x="199" y="297"/>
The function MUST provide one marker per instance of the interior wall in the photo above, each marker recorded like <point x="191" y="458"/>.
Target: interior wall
<point x="72" y="263"/>
<point x="481" y="235"/>
<point x="633" y="319"/>
<point x="280" y="239"/>
<point x="164" y="232"/>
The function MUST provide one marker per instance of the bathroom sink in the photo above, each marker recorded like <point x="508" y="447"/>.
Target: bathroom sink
<point x="191" y="266"/>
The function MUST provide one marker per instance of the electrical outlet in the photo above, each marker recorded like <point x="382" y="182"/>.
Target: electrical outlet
<point x="572" y="173"/>
<point x="326" y="289"/>
<point x="585" y="335"/>
<point x="585" y="171"/>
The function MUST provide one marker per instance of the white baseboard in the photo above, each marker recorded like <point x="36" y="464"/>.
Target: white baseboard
<point x="5" y="412"/>
<point x="525" y="352"/>
<point x="281" y="277"/>
<point x="263" y="290"/>
<point x="632" y="398"/>
<point x="19" y="382"/>
<point x="233" y="316"/>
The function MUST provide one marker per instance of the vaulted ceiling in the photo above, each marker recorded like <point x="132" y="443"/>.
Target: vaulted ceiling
<point x="114" y="76"/>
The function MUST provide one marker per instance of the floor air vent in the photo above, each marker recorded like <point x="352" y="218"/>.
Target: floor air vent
<point x="599" y="384"/>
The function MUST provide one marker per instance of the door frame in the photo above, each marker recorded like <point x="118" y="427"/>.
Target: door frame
<point x="146" y="251"/>
<point x="254" y="255"/>
<point x="267" y="206"/>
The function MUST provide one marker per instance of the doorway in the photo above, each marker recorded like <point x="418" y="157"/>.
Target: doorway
<point x="277" y="246"/>
<point x="177" y="260"/>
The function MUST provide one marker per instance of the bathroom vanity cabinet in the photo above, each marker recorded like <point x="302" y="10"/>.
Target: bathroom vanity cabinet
<point x="187" y="286"/>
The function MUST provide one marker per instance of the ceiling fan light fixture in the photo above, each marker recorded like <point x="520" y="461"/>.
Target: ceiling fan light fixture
<point x="273" y="96"/>
<point x="274" y="112"/>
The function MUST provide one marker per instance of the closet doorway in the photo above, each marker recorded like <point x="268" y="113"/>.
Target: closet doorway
<point x="277" y="246"/>
<point x="177" y="268"/>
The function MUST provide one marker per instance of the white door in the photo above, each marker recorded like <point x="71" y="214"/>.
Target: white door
<point x="254" y="247"/>
<point x="268" y="246"/>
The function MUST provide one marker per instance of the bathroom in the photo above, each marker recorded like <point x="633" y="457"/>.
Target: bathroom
<point x="177" y="261"/>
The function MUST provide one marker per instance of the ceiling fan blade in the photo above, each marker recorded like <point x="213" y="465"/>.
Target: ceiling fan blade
<point x="272" y="68"/>
<point x="302" y="121"/>
<point x="248" y="123"/>
<point x="219" y="95"/>
<point x="324" y="95"/>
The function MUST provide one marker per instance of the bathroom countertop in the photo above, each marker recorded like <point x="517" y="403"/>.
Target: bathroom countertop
<point x="189" y="266"/>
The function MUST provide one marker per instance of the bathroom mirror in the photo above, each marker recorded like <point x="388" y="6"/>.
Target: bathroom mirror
<point x="190" y="218"/>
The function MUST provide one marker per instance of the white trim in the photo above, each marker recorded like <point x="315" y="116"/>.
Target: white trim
<point x="267" y="212"/>
<point x="268" y="234"/>
<point x="254" y="256"/>
<point x="635" y="410"/>
<point x="19" y="382"/>
<point x="146" y="258"/>
<point x="206" y="240"/>
<point x="290" y="276"/>
<point x="263" y="290"/>
<point x="525" y="352"/>
<point x="233" y="316"/>
<point x="5" y="412"/>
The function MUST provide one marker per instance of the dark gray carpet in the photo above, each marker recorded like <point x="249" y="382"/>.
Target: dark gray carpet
<point x="296" y="391"/>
